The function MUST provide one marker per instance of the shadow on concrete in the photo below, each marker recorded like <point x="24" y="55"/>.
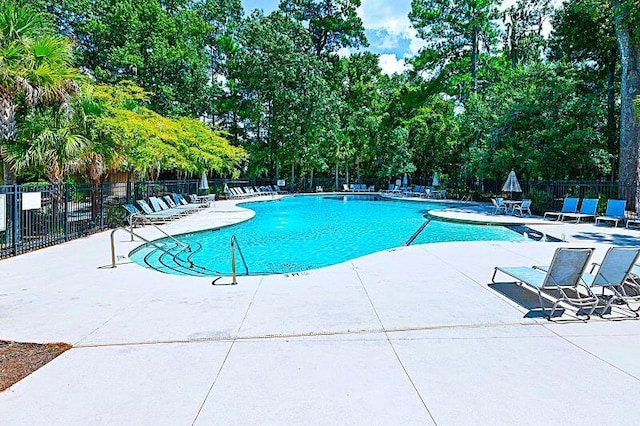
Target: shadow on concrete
<point x="609" y="238"/>
<point x="529" y="300"/>
<point x="525" y="298"/>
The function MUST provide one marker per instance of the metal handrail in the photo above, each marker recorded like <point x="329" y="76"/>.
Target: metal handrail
<point x="417" y="233"/>
<point x="171" y="237"/>
<point x="234" y="281"/>
<point x="244" y="262"/>
<point x="158" y="247"/>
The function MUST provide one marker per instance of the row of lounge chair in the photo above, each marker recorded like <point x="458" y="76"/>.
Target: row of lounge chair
<point x="357" y="187"/>
<point x="566" y="282"/>
<point x="164" y="209"/>
<point x="252" y="191"/>
<point x="416" y="191"/>
<point x="615" y="212"/>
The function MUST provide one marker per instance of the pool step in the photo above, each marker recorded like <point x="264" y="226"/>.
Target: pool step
<point x="175" y="259"/>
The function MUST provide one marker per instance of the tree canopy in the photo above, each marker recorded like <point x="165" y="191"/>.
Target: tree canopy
<point x="548" y="90"/>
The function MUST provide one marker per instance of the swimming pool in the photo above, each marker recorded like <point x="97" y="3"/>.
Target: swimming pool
<point x="300" y="233"/>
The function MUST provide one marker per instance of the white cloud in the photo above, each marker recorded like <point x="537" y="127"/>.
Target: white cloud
<point x="390" y="64"/>
<point x="393" y="18"/>
<point x="344" y="52"/>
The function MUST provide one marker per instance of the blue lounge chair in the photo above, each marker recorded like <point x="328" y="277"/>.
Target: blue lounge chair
<point x="561" y="283"/>
<point x="136" y="216"/>
<point x="146" y="208"/>
<point x="161" y="207"/>
<point x="587" y="210"/>
<point x="278" y="190"/>
<point x="389" y="188"/>
<point x="615" y="212"/>
<point x="416" y="191"/>
<point x="168" y="199"/>
<point x="570" y="205"/>
<point x="180" y="200"/>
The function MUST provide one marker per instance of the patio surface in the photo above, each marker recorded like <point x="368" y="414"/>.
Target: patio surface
<point x="413" y="335"/>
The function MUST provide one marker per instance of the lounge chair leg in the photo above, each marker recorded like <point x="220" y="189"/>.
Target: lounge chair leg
<point x="544" y="309"/>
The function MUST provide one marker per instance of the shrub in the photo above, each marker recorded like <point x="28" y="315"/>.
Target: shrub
<point x="541" y="201"/>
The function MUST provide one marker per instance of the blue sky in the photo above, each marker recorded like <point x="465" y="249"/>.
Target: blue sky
<point x="386" y="24"/>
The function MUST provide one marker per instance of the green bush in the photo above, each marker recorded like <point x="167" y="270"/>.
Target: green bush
<point x="541" y="201"/>
<point x="116" y="216"/>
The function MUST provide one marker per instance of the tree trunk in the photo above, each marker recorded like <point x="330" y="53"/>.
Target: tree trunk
<point x="629" y="47"/>
<point x="8" y="133"/>
<point x="293" y="176"/>
<point x="474" y="59"/>
<point x="346" y="171"/>
<point x="612" y="125"/>
<point x="513" y="41"/>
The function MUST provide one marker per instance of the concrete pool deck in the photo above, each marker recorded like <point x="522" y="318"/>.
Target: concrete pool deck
<point x="413" y="335"/>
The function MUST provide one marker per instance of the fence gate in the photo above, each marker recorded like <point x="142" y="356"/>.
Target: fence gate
<point x="37" y="216"/>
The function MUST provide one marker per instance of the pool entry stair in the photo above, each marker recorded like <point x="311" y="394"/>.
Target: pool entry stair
<point x="170" y="255"/>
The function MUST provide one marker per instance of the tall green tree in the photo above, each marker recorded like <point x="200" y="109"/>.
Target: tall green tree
<point x="288" y="108"/>
<point x="627" y="24"/>
<point x="159" y="44"/>
<point x="584" y="35"/>
<point x="35" y="69"/>
<point x="454" y="30"/>
<point x="333" y="24"/>
<point x="523" y="22"/>
<point x="539" y="121"/>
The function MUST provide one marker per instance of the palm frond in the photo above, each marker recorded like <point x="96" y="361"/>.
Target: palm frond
<point x="18" y="21"/>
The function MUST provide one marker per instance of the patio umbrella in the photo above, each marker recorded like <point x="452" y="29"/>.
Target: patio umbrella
<point x="436" y="181"/>
<point x="405" y="180"/>
<point x="204" y="183"/>
<point x="512" y="185"/>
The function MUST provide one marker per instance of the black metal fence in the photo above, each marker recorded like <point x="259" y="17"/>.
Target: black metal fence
<point x="37" y="216"/>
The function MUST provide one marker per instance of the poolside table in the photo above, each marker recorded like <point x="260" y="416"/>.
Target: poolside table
<point x="511" y="204"/>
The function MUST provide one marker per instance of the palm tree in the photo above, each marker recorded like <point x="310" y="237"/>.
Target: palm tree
<point x="48" y="140"/>
<point x="35" y="66"/>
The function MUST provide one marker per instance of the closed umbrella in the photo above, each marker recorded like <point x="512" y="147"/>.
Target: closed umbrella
<point x="512" y="185"/>
<point x="405" y="180"/>
<point x="436" y="181"/>
<point x="204" y="183"/>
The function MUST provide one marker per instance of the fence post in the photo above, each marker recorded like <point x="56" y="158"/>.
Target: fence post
<point x="100" y="200"/>
<point x="66" y="211"/>
<point x="16" y="220"/>
<point x="128" y="195"/>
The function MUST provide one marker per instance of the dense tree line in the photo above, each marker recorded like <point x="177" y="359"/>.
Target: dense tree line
<point x="546" y="91"/>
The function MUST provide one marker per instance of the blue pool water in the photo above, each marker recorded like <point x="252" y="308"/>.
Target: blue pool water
<point x="307" y="232"/>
